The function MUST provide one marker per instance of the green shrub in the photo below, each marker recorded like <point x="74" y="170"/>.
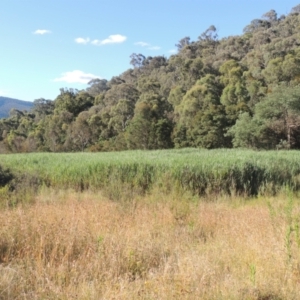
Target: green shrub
<point x="5" y="176"/>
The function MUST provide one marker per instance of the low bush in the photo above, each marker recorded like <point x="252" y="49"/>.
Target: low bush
<point x="5" y="176"/>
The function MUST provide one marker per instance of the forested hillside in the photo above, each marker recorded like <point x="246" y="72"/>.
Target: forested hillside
<point x="238" y="91"/>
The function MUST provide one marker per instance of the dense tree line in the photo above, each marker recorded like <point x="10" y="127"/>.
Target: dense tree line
<point x="239" y="91"/>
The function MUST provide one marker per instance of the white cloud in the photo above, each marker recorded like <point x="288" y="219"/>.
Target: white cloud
<point x="142" y="44"/>
<point x="41" y="31"/>
<point x="172" y="51"/>
<point x="76" y="76"/>
<point x="112" y="39"/>
<point x="82" y="40"/>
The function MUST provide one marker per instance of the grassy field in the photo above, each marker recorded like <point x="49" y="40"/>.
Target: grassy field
<point x="70" y="245"/>
<point x="178" y="224"/>
<point x="242" y="172"/>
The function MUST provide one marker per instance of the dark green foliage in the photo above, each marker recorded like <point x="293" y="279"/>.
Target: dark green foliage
<point x="19" y="186"/>
<point x="5" y="176"/>
<point x="275" y="124"/>
<point x="247" y="179"/>
<point x="73" y="101"/>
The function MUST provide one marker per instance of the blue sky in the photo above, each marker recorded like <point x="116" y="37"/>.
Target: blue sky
<point x="50" y="44"/>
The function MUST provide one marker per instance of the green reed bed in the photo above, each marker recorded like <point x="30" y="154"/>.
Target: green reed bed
<point x="196" y="170"/>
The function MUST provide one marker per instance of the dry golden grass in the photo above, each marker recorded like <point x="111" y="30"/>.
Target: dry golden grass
<point x="84" y="246"/>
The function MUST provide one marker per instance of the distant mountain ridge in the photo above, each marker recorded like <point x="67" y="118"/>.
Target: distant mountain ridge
<point x="6" y="104"/>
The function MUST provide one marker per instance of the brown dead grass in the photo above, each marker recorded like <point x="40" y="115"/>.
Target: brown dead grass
<point x="84" y="246"/>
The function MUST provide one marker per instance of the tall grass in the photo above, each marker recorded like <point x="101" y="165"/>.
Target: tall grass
<point x="72" y="245"/>
<point x="199" y="171"/>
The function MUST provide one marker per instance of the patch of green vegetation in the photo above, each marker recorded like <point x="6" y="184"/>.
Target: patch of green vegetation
<point x="5" y="176"/>
<point x="242" y="172"/>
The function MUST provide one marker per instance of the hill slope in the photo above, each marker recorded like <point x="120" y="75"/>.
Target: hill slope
<point x="6" y="104"/>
